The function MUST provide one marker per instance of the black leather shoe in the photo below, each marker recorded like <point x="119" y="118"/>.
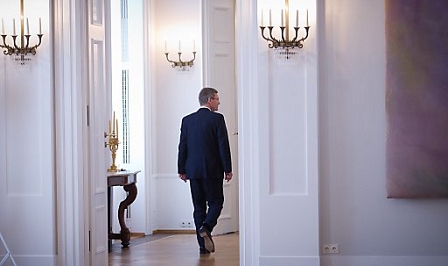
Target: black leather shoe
<point x="204" y="251"/>
<point x="208" y="240"/>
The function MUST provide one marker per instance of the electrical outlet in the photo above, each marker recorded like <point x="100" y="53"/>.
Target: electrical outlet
<point x="190" y="224"/>
<point x="330" y="249"/>
<point x="185" y="223"/>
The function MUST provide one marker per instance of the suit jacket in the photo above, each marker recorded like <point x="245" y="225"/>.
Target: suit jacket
<point x="204" y="150"/>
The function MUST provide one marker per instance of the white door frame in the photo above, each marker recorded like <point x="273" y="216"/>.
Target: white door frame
<point x="248" y="136"/>
<point x="70" y="78"/>
<point x="148" y="66"/>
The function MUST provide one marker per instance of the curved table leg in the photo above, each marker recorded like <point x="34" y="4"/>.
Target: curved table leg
<point x="125" y="234"/>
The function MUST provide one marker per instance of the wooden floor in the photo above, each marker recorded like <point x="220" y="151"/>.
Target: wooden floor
<point x="175" y="250"/>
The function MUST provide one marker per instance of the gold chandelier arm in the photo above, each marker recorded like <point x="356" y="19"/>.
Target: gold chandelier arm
<point x="186" y="63"/>
<point x="181" y="63"/>
<point x="171" y="61"/>
<point x="192" y="60"/>
<point x="307" y="28"/>
<point x="14" y="38"/>
<point x="38" y="44"/>
<point x="285" y="40"/>
<point x="5" y="46"/>
<point x="296" y="34"/>
<point x="166" y="55"/>
<point x="273" y="42"/>
<point x="179" y="55"/>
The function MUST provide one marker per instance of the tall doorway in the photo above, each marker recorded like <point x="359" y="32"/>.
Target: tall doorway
<point x="127" y="102"/>
<point x="129" y="47"/>
<point x="218" y="32"/>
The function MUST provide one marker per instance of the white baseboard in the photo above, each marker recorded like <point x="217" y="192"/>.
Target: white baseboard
<point x="289" y="261"/>
<point x="336" y="260"/>
<point x="35" y="260"/>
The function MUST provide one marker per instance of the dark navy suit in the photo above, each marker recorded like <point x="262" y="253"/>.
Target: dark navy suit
<point x="204" y="156"/>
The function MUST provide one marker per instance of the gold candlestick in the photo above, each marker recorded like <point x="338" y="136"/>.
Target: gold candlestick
<point x="113" y="144"/>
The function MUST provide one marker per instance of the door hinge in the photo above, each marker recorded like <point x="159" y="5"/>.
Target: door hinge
<point x="88" y="115"/>
<point x="90" y="241"/>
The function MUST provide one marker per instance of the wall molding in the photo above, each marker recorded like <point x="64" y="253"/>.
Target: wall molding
<point x="149" y="136"/>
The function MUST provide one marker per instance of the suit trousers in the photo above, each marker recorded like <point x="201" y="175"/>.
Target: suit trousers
<point x="207" y="191"/>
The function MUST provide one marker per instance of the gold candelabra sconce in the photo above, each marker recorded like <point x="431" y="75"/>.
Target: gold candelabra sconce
<point x="23" y="51"/>
<point x="182" y="65"/>
<point x="112" y="143"/>
<point x="284" y="43"/>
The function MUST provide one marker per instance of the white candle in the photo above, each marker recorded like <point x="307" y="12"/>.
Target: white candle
<point x="117" y="128"/>
<point x="297" y="18"/>
<point x="27" y="27"/>
<point x="3" y="27"/>
<point x="40" y="26"/>
<point x="179" y="47"/>
<point x="262" y="19"/>
<point x="194" y="45"/>
<point x="114" y="125"/>
<point x="166" y="47"/>
<point x="13" y="26"/>
<point x="270" y="18"/>
<point x="307" y="23"/>
<point x="281" y="23"/>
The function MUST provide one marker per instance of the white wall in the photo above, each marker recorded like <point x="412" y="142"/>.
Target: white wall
<point x="27" y="180"/>
<point x="173" y="95"/>
<point x="355" y="213"/>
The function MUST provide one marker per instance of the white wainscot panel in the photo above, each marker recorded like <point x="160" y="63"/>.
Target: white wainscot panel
<point x="287" y="131"/>
<point x="24" y="146"/>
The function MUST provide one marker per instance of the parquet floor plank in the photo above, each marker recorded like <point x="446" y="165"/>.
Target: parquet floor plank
<point x="176" y="250"/>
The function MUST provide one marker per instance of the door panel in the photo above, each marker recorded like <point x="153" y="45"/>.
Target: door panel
<point x="97" y="163"/>
<point x="219" y="72"/>
<point x="98" y="108"/>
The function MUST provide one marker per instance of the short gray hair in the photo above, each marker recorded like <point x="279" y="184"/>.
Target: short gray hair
<point x="205" y="94"/>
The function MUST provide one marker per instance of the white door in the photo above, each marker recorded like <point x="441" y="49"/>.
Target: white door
<point x="219" y="72"/>
<point x="98" y="114"/>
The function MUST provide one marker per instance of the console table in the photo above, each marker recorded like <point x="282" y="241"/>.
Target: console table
<point x="127" y="180"/>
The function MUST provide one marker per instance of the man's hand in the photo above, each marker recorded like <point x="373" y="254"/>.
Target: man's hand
<point x="183" y="177"/>
<point x="228" y="177"/>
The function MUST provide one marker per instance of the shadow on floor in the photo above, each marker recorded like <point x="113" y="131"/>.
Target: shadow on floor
<point x="116" y="244"/>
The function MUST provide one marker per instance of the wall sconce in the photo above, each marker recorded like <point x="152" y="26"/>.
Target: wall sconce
<point x="181" y="64"/>
<point x="21" y="52"/>
<point x="285" y="43"/>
